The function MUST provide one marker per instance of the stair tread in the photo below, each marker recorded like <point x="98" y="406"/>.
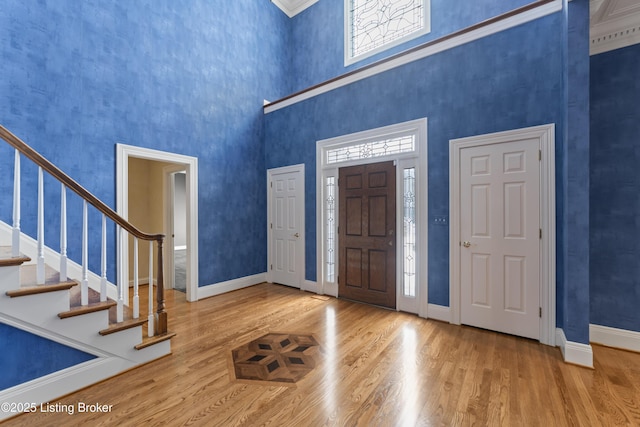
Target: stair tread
<point x="85" y="309"/>
<point x="29" y="284"/>
<point x="127" y="324"/>
<point x="149" y="341"/>
<point x="7" y="259"/>
<point x="28" y="276"/>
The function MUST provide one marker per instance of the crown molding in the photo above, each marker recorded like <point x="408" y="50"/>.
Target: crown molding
<point x="614" y="24"/>
<point x="293" y="7"/>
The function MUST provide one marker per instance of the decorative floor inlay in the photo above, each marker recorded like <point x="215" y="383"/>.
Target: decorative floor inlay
<point x="276" y="357"/>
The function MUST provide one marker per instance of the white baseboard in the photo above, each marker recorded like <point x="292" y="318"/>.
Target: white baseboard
<point x="613" y="337"/>
<point x="230" y="285"/>
<point x="311" y="286"/>
<point x="143" y="281"/>
<point x="573" y="352"/>
<point x="438" y="312"/>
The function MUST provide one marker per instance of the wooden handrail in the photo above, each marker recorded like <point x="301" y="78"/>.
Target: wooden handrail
<point x="421" y="46"/>
<point x="54" y="171"/>
<point x="46" y="165"/>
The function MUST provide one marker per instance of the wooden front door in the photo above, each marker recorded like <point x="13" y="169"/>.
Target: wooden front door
<point x="367" y="234"/>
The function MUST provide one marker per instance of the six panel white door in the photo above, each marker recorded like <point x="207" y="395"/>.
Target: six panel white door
<point x="287" y="198"/>
<point x="500" y="242"/>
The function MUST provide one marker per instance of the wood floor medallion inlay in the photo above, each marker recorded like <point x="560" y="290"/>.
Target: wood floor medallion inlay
<point x="276" y="357"/>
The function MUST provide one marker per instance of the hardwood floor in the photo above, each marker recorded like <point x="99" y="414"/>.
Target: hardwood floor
<point x="378" y="368"/>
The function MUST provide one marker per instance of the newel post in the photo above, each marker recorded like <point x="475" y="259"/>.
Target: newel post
<point x="161" y="315"/>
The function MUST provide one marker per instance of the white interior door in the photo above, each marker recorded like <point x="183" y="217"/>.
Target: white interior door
<point x="500" y="237"/>
<point x="287" y="226"/>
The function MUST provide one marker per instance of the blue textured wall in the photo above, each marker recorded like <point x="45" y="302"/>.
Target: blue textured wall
<point x="186" y="77"/>
<point x="615" y="189"/>
<point x="318" y="41"/>
<point x="574" y="300"/>
<point x="489" y="85"/>
<point x="32" y="356"/>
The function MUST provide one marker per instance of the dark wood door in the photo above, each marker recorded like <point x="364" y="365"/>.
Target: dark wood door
<point x="367" y="234"/>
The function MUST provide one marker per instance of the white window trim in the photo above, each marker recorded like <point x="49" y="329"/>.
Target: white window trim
<point x="350" y="60"/>
<point x="417" y="159"/>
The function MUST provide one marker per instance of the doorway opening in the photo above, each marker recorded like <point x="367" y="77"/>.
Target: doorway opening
<point x="404" y="145"/>
<point x="159" y="190"/>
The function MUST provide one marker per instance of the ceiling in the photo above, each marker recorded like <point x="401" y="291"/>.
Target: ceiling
<point x="293" y="7"/>
<point x="614" y="23"/>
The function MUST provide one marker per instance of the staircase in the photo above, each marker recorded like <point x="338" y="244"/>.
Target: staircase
<point x="66" y="303"/>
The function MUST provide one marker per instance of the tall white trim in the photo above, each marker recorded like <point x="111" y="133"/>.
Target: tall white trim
<point x="124" y="152"/>
<point x="545" y="134"/>
<point x="417" y="159"/>
<point x="430" y="50"/>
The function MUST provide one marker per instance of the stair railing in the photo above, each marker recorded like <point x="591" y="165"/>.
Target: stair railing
<point x="157" y="322"/>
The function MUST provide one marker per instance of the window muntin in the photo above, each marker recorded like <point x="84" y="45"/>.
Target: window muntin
<point x="371" y="149"/>
<point x="375" y="25"/>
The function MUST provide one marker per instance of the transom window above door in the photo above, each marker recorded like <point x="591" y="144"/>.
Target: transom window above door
<point x="372" y="26"/>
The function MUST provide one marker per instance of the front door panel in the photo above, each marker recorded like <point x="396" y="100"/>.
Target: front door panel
<point x="367" y="234"/>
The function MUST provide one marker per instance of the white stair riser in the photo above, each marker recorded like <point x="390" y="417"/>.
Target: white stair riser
<point x="39" y="309"/>
<point x="9" y="276"/>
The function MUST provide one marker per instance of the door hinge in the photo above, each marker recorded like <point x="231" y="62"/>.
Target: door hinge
<point x="540" y="155"/>
<point x="271" y="184"/>
<point x="271" y="267"/>
<point x="540" y="312"/>
<point x="541" y="233"/>
<point x="271" y="225"/>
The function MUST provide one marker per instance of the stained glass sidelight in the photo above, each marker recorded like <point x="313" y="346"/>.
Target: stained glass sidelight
<point x="374" y="23"/>
<point x="330" y="213"/>
<point x="409" y="237"/>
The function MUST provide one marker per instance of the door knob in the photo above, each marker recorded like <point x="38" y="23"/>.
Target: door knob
<point x="296" y="235"/>
<point x="466" y="244"/>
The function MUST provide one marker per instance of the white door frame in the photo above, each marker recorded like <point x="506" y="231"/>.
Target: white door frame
<point x="168" y="188"/>
<point x="190" y="166"/>
<point x="301" y="259"/>
<point x="408" y="159"/>
<point x="545" y="134"/>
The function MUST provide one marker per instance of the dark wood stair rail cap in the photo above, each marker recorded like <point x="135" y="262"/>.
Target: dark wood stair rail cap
<point x="424" y="45"/>
<point x="38" y="159"/>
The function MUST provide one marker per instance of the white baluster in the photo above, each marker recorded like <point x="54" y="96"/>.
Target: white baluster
<point x="121" y="282"/>
<point x="84" y="285"/>
<point x="63" y="233"/>
<point x="150" y="326"/>
<point x="103" y="260"/>
<point x="40" y="279"/>
<point x="16" y="206"/>
<point x="136" y="297"/>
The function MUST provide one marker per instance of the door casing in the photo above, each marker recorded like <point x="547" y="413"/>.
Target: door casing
<point x="190" y="166"/>
<point x="412" y="159"/>
<point x="545" y="134"/>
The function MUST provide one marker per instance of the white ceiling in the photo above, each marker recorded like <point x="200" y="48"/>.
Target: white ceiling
<point x="293" y="7"/>
<point x="614" y="24"/>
